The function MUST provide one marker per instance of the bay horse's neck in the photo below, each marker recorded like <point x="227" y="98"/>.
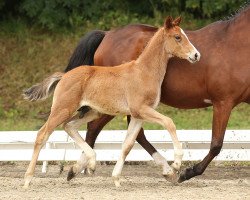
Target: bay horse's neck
<point x="240" y="20"/>
<point x="154" y="57"/>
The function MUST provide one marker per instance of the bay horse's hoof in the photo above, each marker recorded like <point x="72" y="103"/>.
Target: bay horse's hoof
<point x="182" y="177"/>
<point x="71" y="174"/>
<point x="186" y="174"/>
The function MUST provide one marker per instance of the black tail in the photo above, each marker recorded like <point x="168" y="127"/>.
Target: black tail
<point x="85" y="51"/>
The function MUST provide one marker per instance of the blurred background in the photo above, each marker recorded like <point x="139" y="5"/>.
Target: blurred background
<point x="37" y="38"/>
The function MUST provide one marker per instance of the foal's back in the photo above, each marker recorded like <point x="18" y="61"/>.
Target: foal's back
<point x="101" y="88"/>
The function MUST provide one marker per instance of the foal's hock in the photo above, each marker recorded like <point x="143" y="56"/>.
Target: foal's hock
<point x="132" y="89"/>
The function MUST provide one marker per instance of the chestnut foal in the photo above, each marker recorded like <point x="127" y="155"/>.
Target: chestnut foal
<point x="132" y="89"/>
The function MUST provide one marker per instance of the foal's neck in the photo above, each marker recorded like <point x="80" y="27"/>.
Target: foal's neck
<point x="154" y="57"/>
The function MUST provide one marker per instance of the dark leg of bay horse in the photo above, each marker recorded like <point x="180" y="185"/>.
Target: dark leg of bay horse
<point x="221" y="114"/>
<point x="95" y="127"/>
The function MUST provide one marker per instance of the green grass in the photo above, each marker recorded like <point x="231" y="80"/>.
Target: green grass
<point x="192" y="119"/>
<point x="184" y="119"/>
<point x="28" y="55"/>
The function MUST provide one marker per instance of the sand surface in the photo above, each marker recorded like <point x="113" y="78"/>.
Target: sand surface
<point x="139" y="182"/>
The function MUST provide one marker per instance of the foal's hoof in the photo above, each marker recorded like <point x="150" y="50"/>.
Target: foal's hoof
<point x="175" y="167"/>
<point x="25" y="187"/>
<point x="89" y="171"/>
<point x="173" y="178"/>
<point x="117" y="181"/>
<point x="71" y="174"/>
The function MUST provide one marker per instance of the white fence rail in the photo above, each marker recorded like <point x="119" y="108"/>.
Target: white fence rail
<point x="18" y="146"/>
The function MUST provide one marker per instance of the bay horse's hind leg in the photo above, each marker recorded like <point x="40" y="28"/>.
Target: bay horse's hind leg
<point x="42" y="136"/>
<point x="221" y="114"/>
<point x="158" y="158"/>
<point x="95" y="127"/>
<point x="151" y="115"/>
<point x="88" y="156"/>
<point x="133" y="129"/>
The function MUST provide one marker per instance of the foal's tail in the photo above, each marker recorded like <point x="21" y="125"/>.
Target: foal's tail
<point x="83" y="55"/>
<point x="43" y="90"/>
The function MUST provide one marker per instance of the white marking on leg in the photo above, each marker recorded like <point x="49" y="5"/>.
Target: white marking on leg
<point x="208" y="101"/>
<point x="178" y="155"/>
<point x="160" y="160"/>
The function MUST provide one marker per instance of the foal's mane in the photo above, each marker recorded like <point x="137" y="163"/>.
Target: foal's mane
<point x="156" y="39"/>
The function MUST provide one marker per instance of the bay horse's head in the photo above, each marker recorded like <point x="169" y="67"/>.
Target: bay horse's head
<point x="177" y="42"/>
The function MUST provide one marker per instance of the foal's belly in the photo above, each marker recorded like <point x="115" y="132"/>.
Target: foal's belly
<point x="106" y="107"/>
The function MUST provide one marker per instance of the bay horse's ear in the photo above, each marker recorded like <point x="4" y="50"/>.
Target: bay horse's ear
<point x="177" y="21"/>
<point x="168" y="22"/>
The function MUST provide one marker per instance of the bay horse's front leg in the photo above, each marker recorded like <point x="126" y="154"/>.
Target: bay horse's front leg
<point x="221" y="114"/>
<point x="133" y="130"/>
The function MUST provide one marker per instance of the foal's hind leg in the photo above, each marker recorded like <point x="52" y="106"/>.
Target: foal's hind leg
<point x="88" y="157"/>
<point x="150" y="115"/>
<point x="133" y="130"/>
<point x="42" y="136"/>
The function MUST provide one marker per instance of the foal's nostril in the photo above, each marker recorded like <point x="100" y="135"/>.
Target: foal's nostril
<point x="196" y="55"/>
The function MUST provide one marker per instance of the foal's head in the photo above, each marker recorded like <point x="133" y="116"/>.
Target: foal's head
<point x="177" y="42"/>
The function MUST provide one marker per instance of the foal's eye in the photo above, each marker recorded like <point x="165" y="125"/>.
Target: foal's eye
<point x="177" y="38"/>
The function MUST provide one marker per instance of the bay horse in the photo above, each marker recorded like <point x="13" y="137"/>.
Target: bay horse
<point x="220" y="79"/>
<point x="132" y="88"/>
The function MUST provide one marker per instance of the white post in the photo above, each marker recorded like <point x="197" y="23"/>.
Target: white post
<point x="45" y="163"/>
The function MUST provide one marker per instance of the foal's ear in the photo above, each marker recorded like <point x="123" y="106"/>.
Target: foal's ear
<point x="177" y="21"/>
<point x="168" y="22"/>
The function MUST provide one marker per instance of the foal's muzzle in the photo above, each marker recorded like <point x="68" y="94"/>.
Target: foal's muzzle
<point x="194" y="57"/>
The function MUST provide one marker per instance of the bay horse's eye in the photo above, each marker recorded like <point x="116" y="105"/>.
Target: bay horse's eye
<point x="177" y="38"/>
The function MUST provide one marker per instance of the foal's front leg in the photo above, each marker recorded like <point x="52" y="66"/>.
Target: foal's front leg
<point x="151" y="115"/>
<point x="133" y="130"/>
<point x="88" y="157"/>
